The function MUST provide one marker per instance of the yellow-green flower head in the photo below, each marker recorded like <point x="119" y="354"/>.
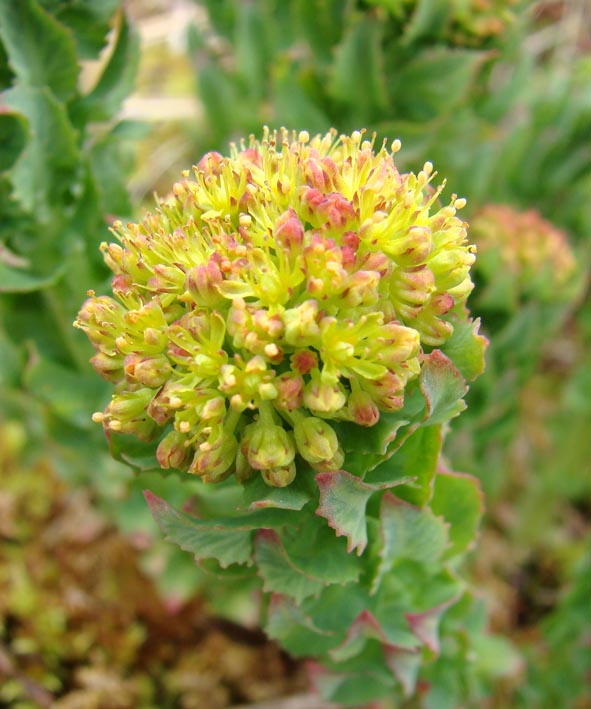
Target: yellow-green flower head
<point x="293" y="283"/>
<point x="525" y="249"/>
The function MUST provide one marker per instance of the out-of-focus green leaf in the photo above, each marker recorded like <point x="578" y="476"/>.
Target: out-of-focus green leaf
<point x="466" y="347"/>
<point x="116" y="81"/>
<point x="434" y="82"/>
<point x="70" y="395"/>
<point x="459" y="500"/>
<point x="357" y="79"/>
<point x="13" y="138"/>
<point x="427" y="20"/>
<point x="14" y="280"/>
<point x="408" y="533"/>
<point x="259" y="495"/>
<point x="289" y="624"/>
<point x="44" y="172"/>
<point x="41" y="51"/>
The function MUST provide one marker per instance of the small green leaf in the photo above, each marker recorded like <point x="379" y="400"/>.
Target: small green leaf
<point x="278" y="572"/>
<point x="442" y="386"/>
<point x="41" y="51"/>
<point x="416" y="458"/>
<point x="425" y="625"/>
<point x="343" y="499"/>
<point x="227" y="539"/>
<point x="459" y="500"/>
<point x="466" y="347"/>
<point x="410" y="533"/>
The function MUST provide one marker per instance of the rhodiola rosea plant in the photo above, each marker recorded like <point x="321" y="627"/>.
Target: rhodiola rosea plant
<point x="291" y="324"/>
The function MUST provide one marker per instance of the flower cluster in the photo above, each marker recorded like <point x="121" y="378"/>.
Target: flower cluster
<point x="530" y="251"/>
<point x="294" y="283"/>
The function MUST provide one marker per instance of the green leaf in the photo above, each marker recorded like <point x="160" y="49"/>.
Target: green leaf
<point x="278" y="572"/>
<point x="40" y="50"/>
<point x="70" y="395"/>
<point x="227" y="539"/>
<point x="416" y="458"/>
<point x="357" y="79"/>
<point x="13" y="138"/>
<point x="315" y="550"/>
<point x="466" y="347"/>
<point x="116" y="81"/>
<point x="434" y="82"/>
<point x="408" y="533"/>
<point x="343" y="499"/>
<point x="45" y="170"/>
<point x="289" y="624"/>
<point x="14" y="280"/>
<point x="459" y="500"/>
<point x="259" y="495"/>
<point x="442" y="386"/>
<point x="428" y="18"/>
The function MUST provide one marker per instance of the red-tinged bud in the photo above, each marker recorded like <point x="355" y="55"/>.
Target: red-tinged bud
<point x="211" y="164"/>
<point x="310" y="199"/>
<point x="376" y="261"/>
<point x="410" y="249"/>
<point x="244" y="471"/>
<point x="214" y="461"/>
<point x="335" y="211"/>
<point x="201" y="284"/>
<point x="363" y="409"/>
<point x="316" y="176"/>
<point x="172" y="451"/>
<point x="289" y="231"/>
<point x="362" y="289"/>
<point x="304" y="361"/>
<point x="129" y="405"/>
<point x="149" y="371"/>
<point x="324" y="398"/>
<point x="102" y="320"/>
<point x="387" y="392"/>
<point x="109" y="367"/>
<point x="333" y="464"/>
<point x="251" y="155"/>
<point x="290" y="392"/>
<point x="315" y="439"/>
<point x="279" y="477"/>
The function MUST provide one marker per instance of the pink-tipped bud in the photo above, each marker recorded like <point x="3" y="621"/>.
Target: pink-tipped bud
<point x="213" y="462"/>
<point x="363" y="409"/>
<point x="201" y="283"/>
<point x="289" y="231"/>
<point x="110" y="368"/>
<point x="290" y="392"/>
<point x="211" y="164"/>
<point x="323" y="397"/>
<point x="149" y="371"/>
<point x="362" y="289"/>
<point x="268" y="446"/>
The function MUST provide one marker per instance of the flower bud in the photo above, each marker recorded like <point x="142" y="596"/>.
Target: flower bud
<point x="289" y="232"/>
<point x="172" y="451"/>
<point x="290" y="392"/>
<point x="362" y="408"/>
<point x="301" y="326"/>
<point x="279" y="477"/>
<point x="268" y="446"/>
<point x="323" y="397"/>
<point x="315" y="439"/>
<point x="213" y="461"/>
<point x="149" y="371"/>
<point x="201" y="284"/>
<point x="109" y="367"/>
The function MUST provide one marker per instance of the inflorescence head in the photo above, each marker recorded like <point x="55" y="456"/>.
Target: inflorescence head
<point x="292" y="284"/>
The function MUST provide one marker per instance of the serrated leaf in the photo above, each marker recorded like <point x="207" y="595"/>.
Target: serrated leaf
<point x="278" y="572"/>
<point x="442" y="386"/>
<point x="466" y="347"/>
<point x="115" y="83"/>
<point x="416" y="458"/>
<point x="295" y="629"/>
<point x="405" y="665"/>
<point x="316" y="551"/>
<point x="14" y="135"/>
<point x="408" y="533"/>
<point x="227" y="539"/>
<point x="425" y="625"/>
<point x="343" y="499"/>
<point x="458" y="498"/>
<point x="363" y="628"/>
<point x="70" y="395"/>
<point x="41" y="51"/>
<point x="45" y="169"/>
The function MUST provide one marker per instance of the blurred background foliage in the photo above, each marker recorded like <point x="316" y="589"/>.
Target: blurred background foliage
<point x="103" y="103"/>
